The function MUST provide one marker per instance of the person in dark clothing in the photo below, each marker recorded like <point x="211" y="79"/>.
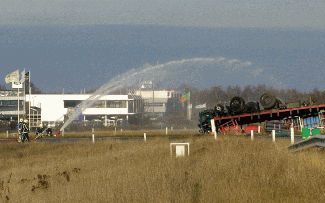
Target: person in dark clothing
<point x="23" y="131"/>
<point x="49" y="132"/>
<point x="20" y="129"/>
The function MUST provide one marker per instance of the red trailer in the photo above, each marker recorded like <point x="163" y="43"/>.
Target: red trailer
<point x="225" y="123"/>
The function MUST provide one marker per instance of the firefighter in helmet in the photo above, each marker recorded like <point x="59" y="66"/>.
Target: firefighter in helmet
<point x="23" y="131"/>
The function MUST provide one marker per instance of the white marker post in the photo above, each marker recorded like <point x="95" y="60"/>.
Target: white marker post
<point x="213" y="128"/>
<point x="180" y="149"/>
<point x="213" y="125"/>
<point x="7" y="134"/>
<point x="259" y="129"/>
<point x="166" y="130"/>
<point x="292" y="135"/>
<point x="273" y="135"/>
<point x="252" y="135"/>
<point x="145" y="137"/>
<point x="93" y="135"/>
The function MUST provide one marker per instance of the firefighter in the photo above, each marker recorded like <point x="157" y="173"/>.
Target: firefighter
<point x="39" y="130"/>
<point x="23" y="131"/>
<point x="26" y="131"/>
<point x="20" y="129"/>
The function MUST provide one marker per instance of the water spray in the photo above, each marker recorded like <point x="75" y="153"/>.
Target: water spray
<point x="172" y="73"/>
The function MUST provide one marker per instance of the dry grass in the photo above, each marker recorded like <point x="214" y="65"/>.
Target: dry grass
<point x="231" y="169"/>
<point x="118" y="133"/>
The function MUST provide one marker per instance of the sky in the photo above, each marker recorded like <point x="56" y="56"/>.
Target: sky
<point x="204" y="13"/>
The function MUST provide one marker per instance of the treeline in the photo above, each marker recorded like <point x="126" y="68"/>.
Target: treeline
<point x="220" y="95"/>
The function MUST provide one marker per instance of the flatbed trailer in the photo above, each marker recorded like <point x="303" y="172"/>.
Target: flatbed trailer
<point x="267" y="115"/>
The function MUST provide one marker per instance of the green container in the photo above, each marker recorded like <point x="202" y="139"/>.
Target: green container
<point x="305" y="133"/>
<point x="315" y="131"/>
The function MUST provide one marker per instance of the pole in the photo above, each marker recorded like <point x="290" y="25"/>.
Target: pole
<point x="292" y="135"/>
<point x="189" y="106"/>
<point x="29" y="102"/>
<point x="93" y="135"/>
<point x="24" y="89"/>
<point x="273" y="135"/>
<point x="18" y="105"/>
<point x="145" y="137"/>
<point x="213" y="125"/>
<point x="23" y="79"/>
<point x="166" y="130"/>
<point x="105" y="122"/>
<point x="252" y="135"/>
<point x="215" y="135"/>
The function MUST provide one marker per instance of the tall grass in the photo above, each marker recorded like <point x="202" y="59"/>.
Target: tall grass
<point x="230" y="169"/>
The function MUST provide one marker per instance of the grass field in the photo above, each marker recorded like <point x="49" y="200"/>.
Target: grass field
<point x="118" y="133"/>
<point x="231" y="169"/>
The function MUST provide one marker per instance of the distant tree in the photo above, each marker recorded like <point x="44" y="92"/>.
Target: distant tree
<point x="316" y="96"/>
<point x="233" y="91"/>
<point x="217" y="95"/>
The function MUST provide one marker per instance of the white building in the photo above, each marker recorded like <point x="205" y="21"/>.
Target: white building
<point x="158" y="101"/>
<point x="9" y="104"/>
<point x="56" y="107"/>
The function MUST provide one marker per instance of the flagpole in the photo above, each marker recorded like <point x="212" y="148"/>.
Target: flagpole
<point x="189" y="105"/>
<point x="18" y="104"/>
<point x="29" y="102"/>
<point x="24" y="89"/>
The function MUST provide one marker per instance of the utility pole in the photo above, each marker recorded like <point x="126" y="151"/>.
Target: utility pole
<point x="29" y="102"/>
<point x="18" y="105"/>
<point x="189" y="107"/>
<point x="153" y="99"/>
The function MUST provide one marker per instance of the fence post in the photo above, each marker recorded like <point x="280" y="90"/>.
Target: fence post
<point x="215" y="135"/>
<point x="252" y="135"/>
<point x="145" y="137"/>
<point x="7" y="134"/>
<point x="93" y="135"/>
<point x="259" y="129"/>
<point x="166" y="130"/>
<point x="292" y="135"/>
<point x="213" y="125"/>
<point x="273" y="135"/>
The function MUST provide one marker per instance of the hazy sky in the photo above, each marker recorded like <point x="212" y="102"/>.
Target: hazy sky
<point x="211" y="13"/>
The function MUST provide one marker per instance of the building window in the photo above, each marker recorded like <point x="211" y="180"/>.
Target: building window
<point x="10" y="105"/>
<point x="71" y="103"/>
<point x="116" y="104"/>
<point x="156" y="104"/>
<point x="99" y="104"/>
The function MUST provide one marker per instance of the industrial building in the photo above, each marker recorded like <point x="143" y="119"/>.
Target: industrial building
<point x="158" y="102"/>
<point x="145" y="102"/>
<point x="9" y="104"/>
<point x="52" y="108"/>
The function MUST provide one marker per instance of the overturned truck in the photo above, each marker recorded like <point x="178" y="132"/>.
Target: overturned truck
<point x="268" y="108"/>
